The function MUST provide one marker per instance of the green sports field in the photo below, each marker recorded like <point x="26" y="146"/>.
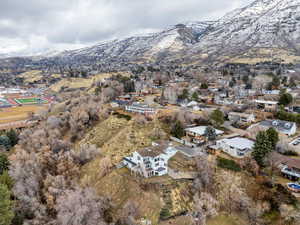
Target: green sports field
<point x="25" y="101"/>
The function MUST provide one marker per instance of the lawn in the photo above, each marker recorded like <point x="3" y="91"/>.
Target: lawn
<point x="30" y="101"/>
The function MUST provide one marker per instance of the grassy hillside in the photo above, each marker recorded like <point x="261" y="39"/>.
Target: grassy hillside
<point x="31" y="76"/>
<point x="81" y="82"/>
<point x="118" y="137"/>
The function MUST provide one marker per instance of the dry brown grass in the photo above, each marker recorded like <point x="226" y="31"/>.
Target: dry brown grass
<point x="82" y="82"/>
<point x="121" y="186"/>
<point x="18" y="113"/>
<point x="118" y="137"/>
<point x="31" y="76"/>
<point x="225" y="219"/>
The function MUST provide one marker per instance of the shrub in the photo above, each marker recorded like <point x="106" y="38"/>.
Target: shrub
<point x="122" y="116"/>
<point x="290" y="153"/>
<point x="164" y="214"/>
<point x="228" y="164"/>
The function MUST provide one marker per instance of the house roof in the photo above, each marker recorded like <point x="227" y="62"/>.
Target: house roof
<point x="152" y="151"/>
<point x="282" y="159"/>
<point x="140" y="105"/>
<point x="192" y="103"/>
<point x="281" y="125"/>
<point x="240" y="114"/>
<point x="239" y="143"/>
<point x="200" y="130"/>
<point x="266" y="102"/>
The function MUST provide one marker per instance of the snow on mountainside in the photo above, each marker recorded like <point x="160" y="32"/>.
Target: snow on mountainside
<point x="262" y="24"/>
<point x="261" y="30"/>
<point x="173" y="39"/>
<point x="264" y="30"/>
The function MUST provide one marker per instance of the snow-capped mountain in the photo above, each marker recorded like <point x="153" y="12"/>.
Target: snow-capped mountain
<point x="263" y="24"/>
<point x="172" y="40"/>
<point x="262" y="31"/>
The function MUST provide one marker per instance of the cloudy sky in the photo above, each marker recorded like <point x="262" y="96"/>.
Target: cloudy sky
<point x="28" y="26"/>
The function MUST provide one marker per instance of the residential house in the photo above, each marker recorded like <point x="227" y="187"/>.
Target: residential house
<point x="236" y="147"/>
<point x="241" y="117"/>
<point x="283" y="127"/>
<point x="289" y="167"/>
<point x="150" y="161"/>
<point x="268" y="106"/>
<point x="119" y="103"/>
<point x="271" y="92"/>
<point x="197" y="134"/>
<point x="140" y="108"/>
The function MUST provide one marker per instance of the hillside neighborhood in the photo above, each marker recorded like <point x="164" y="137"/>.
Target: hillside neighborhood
<point x="234" y="119"/>
<point x="196" y="123"/>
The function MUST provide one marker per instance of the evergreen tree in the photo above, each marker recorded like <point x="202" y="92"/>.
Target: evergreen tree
<point x="262" y="147"/>
<point x="217" y="117"/>
<point x="245" y="79"/>
<point x="177" y="130"/>
<point x="13" y="137"/>
<point x="195" y="96"/>
<point x="204" y="86"/>
<point x="184" y="95"/>
<point x="272" y="136"/>
<point x="4" y="163"/>
<point x="210" y="133"/>
<point x="248" y="86"/>
<point x="276" y="81"/>
<point x="5" y="142"/>
<point x="285" y="99"/>
<point x="6" y="206"/>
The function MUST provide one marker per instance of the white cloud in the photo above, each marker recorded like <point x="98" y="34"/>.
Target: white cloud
<point x="33" y="25"/>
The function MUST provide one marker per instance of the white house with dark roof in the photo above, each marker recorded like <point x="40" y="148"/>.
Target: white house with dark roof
<point x="236" y="147"/>
<point x="283" y="127"/>
<point x="150" y="161"/>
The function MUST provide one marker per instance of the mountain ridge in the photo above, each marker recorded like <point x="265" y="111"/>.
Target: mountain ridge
<point x="263" y="30"/>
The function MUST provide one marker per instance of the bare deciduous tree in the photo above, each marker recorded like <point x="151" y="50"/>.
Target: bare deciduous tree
<point x="81" y="207"/>
<point x="206" y="173"/>
<point x="205" y="206"/>
<point x="85" y="153"/>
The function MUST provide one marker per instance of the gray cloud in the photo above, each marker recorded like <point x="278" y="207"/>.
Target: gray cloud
<point x="39" y="24"/>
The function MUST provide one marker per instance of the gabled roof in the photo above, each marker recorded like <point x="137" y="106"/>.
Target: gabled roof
<point x="281" y="125"/>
